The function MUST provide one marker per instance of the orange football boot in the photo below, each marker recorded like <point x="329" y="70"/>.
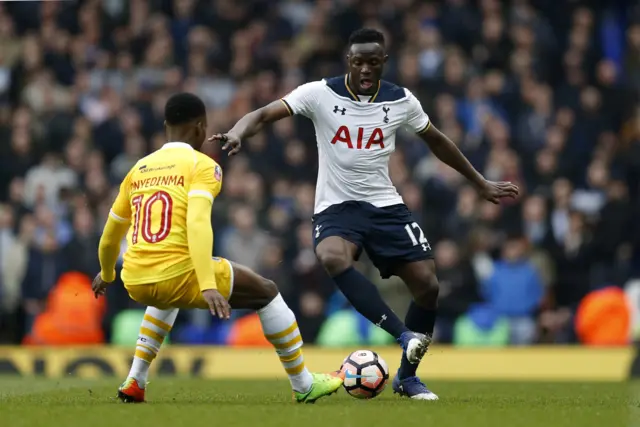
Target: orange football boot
<point x="131" y="392"/>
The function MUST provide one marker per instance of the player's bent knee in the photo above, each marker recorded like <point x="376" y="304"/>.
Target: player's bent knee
<point x="333" y="260"/>
<point x="270" y="289"/>
<point x="267" y="291"/>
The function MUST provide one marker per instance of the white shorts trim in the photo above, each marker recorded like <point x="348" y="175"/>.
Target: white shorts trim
<point x="232" y="277"/>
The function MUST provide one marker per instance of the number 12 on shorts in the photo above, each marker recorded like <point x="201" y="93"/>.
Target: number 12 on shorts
<point x="421" y="240"/>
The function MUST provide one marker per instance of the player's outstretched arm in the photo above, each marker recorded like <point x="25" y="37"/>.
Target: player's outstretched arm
<point x="445" y="149"/>
<point x="251" y="124"/>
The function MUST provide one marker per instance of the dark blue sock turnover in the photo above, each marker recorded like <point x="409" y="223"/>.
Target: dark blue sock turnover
<point x="365" y="298"/>
<point x="418" y="320"/>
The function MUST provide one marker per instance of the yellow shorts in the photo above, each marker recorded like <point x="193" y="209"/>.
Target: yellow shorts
<point x="183" y="291"/>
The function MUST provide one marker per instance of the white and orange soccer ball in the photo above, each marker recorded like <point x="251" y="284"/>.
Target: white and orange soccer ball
<point x="365" y="374"/>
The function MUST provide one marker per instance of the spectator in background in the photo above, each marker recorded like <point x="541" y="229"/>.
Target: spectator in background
<point x="81" y="251"/>
<point x="534" y="219"/>
<point x="310" y="284"/>
<point x="461" y="222"/>
<point x="591" y="199"/>
<point x="515" y="291"/>
<point x="458" y="288"/>
<point x="611" y="238"/>
<point x="244" y="242"/>
<point x="11" y="258"/>
<point x="134" y="150"/>
<point x="44" y="182"/>
<point x="632" y="60"/>
<point x="562" y="190"/>
<point x="573" y="256"/>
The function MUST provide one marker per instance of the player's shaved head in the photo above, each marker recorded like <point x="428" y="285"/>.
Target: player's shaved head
<point x="366" y="59"/>
<point x="182" y="108"/>
<point x="185" y="118"/>
<point x="366" y="35"/>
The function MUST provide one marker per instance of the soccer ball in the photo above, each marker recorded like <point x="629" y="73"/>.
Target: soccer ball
<point x="365" y="374"/>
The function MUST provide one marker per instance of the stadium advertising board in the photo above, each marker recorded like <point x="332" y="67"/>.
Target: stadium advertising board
<point x="539" y="363"/>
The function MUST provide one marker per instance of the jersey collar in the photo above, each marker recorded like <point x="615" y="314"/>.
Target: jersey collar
<point x="356" y="97"/>
<point x="176" y="144"/>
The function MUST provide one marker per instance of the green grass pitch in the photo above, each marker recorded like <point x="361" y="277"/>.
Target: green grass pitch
<point x="194" y="402"/>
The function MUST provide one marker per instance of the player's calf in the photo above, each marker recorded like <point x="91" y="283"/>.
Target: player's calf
<point x="424" y="287"/>
<point x="336" y="256"/>
<point x="281" y="329"/>
<point x="421" y="280"/>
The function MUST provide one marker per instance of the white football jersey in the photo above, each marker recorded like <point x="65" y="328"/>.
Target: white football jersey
<point x="356" y="135"/>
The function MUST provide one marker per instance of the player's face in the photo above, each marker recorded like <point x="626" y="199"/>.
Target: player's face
<point x="366" y="63"/>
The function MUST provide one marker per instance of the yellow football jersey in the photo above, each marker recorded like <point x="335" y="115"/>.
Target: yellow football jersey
<point x="154" y="197"/>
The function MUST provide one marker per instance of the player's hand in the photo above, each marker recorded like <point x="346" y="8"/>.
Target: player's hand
<point x="229" y="140"/>
<point x="99" y="286"/>
<point x="218" y="305"/>
<point x="494" y="191"/>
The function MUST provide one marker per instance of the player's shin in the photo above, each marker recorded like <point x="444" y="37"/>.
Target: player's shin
<point x="155" y="326"/>
<point x="365" y="297"/>
<point x="281" y="329"/>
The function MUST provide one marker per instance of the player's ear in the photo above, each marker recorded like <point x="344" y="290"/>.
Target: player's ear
<point x="384" y="60"/>
<point x="202" y="127"/>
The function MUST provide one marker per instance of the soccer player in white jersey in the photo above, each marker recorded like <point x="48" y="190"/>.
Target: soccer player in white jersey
<point x="356" y="117"/>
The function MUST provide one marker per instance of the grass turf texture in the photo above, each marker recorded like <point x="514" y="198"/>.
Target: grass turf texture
<point x="194" y="402"/>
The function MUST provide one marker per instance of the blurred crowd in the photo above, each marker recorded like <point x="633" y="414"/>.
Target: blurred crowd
<point x="539" y="92"/>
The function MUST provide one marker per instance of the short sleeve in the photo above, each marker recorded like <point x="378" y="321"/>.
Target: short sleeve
<point x="304" y="99"/>
<point x="207" y="180"/>
<point x="417" y="120"/>
<point x="121" y="208"/>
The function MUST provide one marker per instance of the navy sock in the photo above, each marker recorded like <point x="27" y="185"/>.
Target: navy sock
<point x="418" y="320"/>
<point x="365" y="298"/>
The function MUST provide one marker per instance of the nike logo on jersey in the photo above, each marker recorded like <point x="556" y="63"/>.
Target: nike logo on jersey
<point x="342" y="110"/>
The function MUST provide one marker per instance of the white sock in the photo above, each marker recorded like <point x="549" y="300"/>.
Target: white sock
<point x="155" y="326"/>
<point x="281" y="329"/>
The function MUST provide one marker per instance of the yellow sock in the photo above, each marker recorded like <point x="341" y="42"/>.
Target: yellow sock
<point x="281" y="329"/>
<point x="155" y="326"/>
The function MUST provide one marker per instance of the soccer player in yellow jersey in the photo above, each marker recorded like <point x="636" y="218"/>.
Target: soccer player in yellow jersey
<point x="164" y="208"/>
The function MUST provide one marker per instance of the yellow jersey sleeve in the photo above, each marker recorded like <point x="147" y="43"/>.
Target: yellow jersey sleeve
<point x="200" y="236"/>
<point x="109" y="247"/>
<point x="207" y="179"/>
<point x="114" y="230"/>
<point x="121" y="208"/>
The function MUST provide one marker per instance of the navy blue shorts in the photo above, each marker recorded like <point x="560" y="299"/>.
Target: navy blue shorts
<point x="390" y="235"/>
